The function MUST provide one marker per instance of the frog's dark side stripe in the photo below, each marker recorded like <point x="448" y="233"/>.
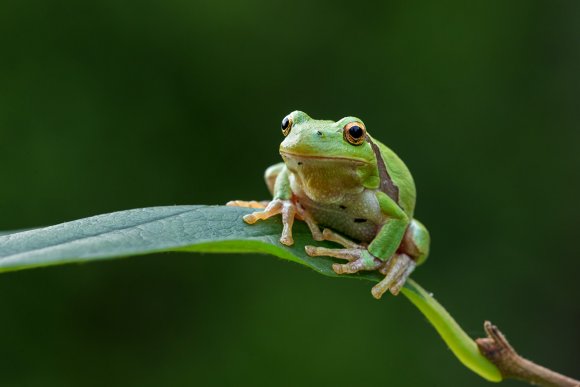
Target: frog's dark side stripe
<point x="387" y="184"/>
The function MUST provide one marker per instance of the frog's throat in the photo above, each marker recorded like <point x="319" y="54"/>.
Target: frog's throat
<point x="318" y="157"/>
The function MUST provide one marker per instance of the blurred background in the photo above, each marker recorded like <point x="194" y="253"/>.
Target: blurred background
<point x="111" y="105"/>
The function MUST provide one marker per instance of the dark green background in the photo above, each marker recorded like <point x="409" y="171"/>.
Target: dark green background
<point x="113" y="105"/>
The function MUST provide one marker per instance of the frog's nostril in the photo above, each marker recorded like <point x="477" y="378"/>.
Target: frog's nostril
<point x="319" y="132"/>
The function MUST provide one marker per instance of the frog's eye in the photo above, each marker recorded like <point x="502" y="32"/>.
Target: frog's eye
<point x="354" y="133"/>
<point x="286" y="125"/>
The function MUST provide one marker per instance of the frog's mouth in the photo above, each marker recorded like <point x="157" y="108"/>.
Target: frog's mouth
<point x="296" y="156"/>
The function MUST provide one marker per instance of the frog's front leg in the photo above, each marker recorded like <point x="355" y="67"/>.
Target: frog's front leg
<point x="275" y="207"/>
<point x="283" y="203"/>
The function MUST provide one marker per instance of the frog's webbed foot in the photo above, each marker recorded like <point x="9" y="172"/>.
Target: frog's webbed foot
<point x="396" y="270"/>
<point x="289" y="210"/>
<point x="275" y="207"/>
<point x="357" y="256"/>
<point x="246" y="204"/>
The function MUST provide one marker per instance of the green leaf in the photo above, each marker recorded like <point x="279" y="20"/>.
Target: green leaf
<point x="210" y="229"/>
<point x="149" y="230"/>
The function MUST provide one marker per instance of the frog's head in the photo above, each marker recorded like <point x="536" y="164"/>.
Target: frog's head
<point x="329" y="159"/>
<point x="344" y="139"/>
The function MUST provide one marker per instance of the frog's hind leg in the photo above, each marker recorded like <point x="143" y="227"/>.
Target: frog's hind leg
<point x="413" y="251"/>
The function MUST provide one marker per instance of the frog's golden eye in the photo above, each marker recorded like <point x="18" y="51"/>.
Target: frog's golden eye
<point x="286" y="125"/>
<point x="354" y="133"/>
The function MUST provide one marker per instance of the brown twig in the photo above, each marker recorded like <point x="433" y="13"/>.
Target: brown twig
<point x="496" y="348"/>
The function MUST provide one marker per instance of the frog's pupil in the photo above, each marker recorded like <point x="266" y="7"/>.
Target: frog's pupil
<point x="285" y="123"/>
<point x="355" y="131"/>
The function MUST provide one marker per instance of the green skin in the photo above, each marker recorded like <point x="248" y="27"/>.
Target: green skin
<point x="361" y="190"/>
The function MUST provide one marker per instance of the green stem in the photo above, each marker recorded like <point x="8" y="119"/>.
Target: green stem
<point x="464" y="348"/>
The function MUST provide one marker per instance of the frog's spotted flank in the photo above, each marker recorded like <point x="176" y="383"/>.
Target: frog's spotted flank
<point x="359" y="220"/>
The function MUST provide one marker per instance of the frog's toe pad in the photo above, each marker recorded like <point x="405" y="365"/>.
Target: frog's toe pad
<point x="310" y="250"/>
<point x="287" y="240"/>
<point x="250" y="218"/>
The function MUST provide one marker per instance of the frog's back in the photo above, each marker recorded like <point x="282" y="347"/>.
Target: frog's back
<point x="401" y="177"/>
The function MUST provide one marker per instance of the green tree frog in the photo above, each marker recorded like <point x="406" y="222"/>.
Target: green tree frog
<point x="336" y="176"/>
